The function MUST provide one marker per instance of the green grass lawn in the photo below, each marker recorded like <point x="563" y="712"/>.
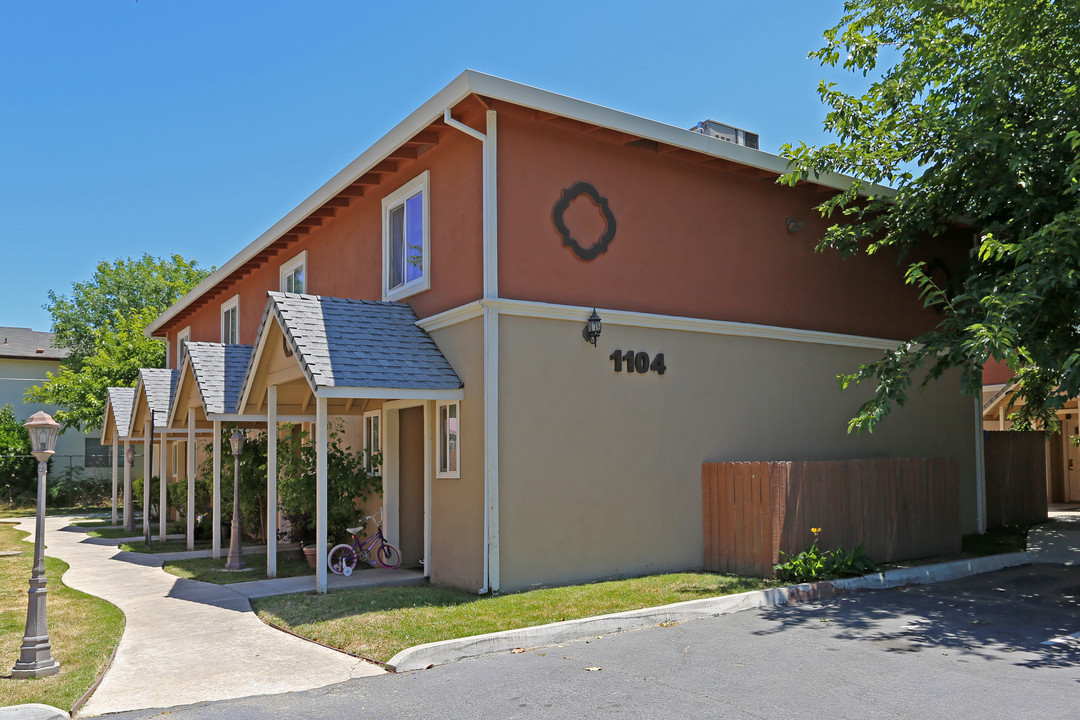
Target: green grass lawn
<point x="8" y="511"/>
<point x="379" y="622"/>
<point x="289" y="564"/>
<point x="168" y="546"/>
<point x="83" y="629"/>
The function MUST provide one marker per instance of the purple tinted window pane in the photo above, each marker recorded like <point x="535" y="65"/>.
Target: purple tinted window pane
<point x="397" y="236"/>
<point x="414" y="237"/>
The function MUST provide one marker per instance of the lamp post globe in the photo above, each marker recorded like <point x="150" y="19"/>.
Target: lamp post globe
<point x="235" y="559"/>
<point x="35" y="655"/>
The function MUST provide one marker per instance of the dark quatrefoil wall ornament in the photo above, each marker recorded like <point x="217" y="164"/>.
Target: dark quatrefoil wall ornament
<point x="568" y="196"/>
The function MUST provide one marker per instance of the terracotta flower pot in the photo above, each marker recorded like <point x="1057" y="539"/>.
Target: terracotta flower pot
<point x="310" y="555"/>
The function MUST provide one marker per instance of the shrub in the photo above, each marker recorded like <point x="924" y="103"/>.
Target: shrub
<point x="347" y="481"/>
<point x="73" y="487"/>
<point x="813" y="564"/>
<point x="18" y="468"/>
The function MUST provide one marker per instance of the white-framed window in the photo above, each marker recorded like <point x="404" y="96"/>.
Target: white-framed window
<point x="182" y="338"/>
<point x="294" y="274"/>
<point x="449" y="450"/>
<point x="406" y="240"/>
<point x="372" y="439"/>
<point x="230" y="316"/>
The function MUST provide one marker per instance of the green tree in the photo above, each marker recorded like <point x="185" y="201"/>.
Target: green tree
<point x="973" y="123"/>
<point x="103" y="322"/>
<point x="18" y="469"/>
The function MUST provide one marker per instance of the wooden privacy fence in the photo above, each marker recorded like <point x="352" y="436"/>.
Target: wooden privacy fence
<point x="1015" y="477"/>
<point x="900" y="509"/>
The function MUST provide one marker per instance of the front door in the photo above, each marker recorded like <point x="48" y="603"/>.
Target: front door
<point x="410" y="448"/>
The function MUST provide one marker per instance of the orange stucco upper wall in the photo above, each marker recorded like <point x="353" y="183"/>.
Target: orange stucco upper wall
<point x="344" y="255"/>
<point x="691" y="240"/>
<point x="996" y="372"/>
<point x="694" y="239"/>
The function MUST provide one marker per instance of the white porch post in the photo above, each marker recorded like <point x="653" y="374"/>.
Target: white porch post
<point x="163" y="486"/>
<point x="429" y="438"/>
<point x="129" y="523"/>
<point x="115" y="448"/>
<point x="320" y="495"/>
<point x="217" y="490"/>
<point x="147" y="427"/>
<point x="189" y="471"/>
<point x="271" y="481"/>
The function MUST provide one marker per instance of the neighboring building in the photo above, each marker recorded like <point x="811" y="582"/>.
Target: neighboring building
<point x="26" y="358"/>
<point x="501" y="216"/>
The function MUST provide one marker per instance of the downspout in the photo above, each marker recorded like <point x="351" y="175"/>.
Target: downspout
<point x="491" y="344"/>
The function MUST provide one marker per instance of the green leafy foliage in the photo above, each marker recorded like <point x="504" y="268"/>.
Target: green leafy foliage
<point x="102" y="322"/>
<point x="814" y="564"/>
<point x="347" y="481"/>
<point x="18" y="469"/>
<point x="972" y="121"/>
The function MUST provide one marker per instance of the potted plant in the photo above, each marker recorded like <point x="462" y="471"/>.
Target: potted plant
<point x="347" y="482"/>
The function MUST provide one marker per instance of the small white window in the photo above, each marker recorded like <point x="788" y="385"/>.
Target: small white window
<point x="406" y="240"/>
<point x="372" y="440"/>
<point x="449" y="451"/>
<point x="294" y="274"/>
<point x="182" y="338"/>
<point x="230" y="314"/>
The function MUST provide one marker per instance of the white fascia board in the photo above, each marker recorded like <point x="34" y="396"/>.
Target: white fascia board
<point x="451" y="317"/>
<point x="236" y="417"/>
<point x="573" y="313"/>
<point x="184" y="372"/>
<point x="361" y="393"/>
<point x="465" y="84"/>
<point x="543" y="100"/>
<point x="105" y="418"/>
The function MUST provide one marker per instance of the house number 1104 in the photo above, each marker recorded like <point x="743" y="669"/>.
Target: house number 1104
<point x="638" y="362"/>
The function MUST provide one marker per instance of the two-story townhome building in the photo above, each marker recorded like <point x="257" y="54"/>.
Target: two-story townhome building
<point x="437" y="291"/>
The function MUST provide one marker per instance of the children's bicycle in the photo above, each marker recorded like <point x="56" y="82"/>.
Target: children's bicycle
<point x="375" y="551"/>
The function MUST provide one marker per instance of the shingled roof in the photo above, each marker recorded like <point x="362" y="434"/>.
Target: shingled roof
<point x="342" y="343"/>
<point x="16" y="342"/>
<point x="219" y="373"/>
<point x="159" y="385"/>
<point x="121" y="400"/>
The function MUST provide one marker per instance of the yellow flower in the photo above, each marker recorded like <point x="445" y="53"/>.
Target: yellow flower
<point x="816" y="531"/>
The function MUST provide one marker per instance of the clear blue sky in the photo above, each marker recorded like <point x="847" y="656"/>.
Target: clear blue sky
<point x="191" y="127"/>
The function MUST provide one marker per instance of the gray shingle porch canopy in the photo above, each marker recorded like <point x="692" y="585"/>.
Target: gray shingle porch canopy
<point x="345" y="349"/>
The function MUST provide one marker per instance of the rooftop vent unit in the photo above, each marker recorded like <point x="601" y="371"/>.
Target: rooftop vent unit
<point x="727" y="132"/>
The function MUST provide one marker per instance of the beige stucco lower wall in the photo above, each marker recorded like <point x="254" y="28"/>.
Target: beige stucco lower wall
<point x="600" y="472"/>
<point x="457" y="517"/>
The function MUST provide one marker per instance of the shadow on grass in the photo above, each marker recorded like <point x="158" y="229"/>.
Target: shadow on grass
<point x="1007" y="616"/>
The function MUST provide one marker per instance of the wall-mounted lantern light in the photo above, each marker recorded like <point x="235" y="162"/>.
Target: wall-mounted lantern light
<point x="591" y="331"/>
<point x="793" y="225"/>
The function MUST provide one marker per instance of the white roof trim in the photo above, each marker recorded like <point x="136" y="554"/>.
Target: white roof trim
<point x="358" y="393"/>
<point x="465" y="84"/>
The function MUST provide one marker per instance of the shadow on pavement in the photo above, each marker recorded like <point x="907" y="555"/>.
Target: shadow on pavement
<point x="989" y="616"/>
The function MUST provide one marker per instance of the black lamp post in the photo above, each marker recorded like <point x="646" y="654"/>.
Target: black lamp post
<point x="35" y="655"/>
<point x="235" y="559"/>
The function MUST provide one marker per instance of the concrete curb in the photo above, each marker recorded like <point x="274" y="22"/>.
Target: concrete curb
<point x="424" y="656"/>
<point x="32" y="711"/>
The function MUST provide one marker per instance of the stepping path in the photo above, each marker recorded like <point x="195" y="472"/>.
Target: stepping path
<point x="186" y="641"/>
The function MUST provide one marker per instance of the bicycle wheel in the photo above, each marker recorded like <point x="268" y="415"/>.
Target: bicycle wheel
<point x="341" y="557"/>
<point x="388" y="556"/>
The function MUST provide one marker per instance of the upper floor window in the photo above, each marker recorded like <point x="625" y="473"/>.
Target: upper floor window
<point x="230" y="315"/>
<point x="294" y="274"/>
<point x="406" y="240"/>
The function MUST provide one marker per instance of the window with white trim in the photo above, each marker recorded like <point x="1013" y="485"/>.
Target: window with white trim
<point x="372" y="440"/>
<point x="230" y="315"/>
<point x="294" y="274"/>
<point x="406" y="240"/>
<point x="182" y="338"/>
<point x="449" y="440"/>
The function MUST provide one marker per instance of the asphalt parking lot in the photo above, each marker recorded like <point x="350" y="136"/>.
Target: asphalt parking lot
<point x="991" y="646"/>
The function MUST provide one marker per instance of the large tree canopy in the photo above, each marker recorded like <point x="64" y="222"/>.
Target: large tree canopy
<point x="973" y="123"/>
<point x="102" y="321"/>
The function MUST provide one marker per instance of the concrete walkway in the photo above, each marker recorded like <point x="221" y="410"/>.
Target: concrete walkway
<point x="187" y="641"/>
